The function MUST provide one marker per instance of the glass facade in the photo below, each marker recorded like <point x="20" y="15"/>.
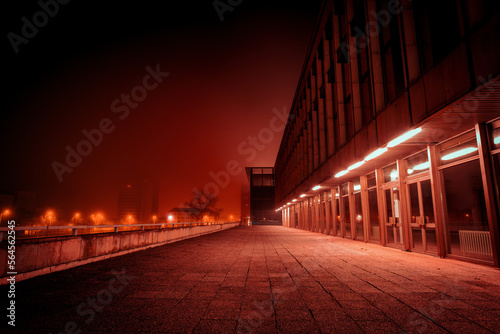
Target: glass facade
<point x="366" y="85"/>
<point x="467" y="231"/>
<point x="459" y="185"/>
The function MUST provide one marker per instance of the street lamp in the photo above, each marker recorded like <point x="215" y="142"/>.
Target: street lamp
<point x="49" y="216"/>
<point x="5" y="212"/>
<point x="100" y="218"/>
<point x="76" y="218"/>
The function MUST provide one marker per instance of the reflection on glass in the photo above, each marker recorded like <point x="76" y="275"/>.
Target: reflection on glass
<point x="337" y="218"/>
<point x="374" y="223"/>
<point x="466" y="222"/>
<point x="347" y="216"/>
<point x="390" y="173"/>
<point x="358" y="217"/>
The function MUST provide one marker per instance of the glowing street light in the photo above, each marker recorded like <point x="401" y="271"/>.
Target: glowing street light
<point x="404" y="137"/>
<point x="317" y="187"/>
<point x="356" y="165"/>
<point x="303" y="195"/>
<point x="5" y="212"/>
<point x="294" y="200"/>
<point x="376" y="153"/>
<point x="342" y="173"/>
<point x="154" y="219"/>
<point x="99" y="218"/>
<point x="170" y="218"/>
<point x="48" y="216"/>
<point x="76" y="217"/>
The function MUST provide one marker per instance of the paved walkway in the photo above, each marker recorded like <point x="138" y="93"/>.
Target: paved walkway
<point x="264" y="279"/>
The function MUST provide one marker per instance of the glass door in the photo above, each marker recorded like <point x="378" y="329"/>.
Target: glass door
<point x="345" y="217"/>
<point x="394" y="230"/>
<point x="421" y="216"/>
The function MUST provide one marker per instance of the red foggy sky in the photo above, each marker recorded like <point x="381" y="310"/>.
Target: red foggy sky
<point x="222" y="88"/>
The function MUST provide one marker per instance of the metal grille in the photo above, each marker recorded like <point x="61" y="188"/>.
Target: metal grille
<point x="475" y="242"/>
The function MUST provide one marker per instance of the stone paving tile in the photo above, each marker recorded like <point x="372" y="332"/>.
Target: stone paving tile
<point x="297" y="326"/>
<point x="265" y="280"/>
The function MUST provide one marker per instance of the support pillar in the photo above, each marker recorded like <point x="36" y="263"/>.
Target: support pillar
<point x="327" y="213"/>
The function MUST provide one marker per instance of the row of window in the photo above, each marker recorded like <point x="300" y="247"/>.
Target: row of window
<point x="338" y="95"/>
<point x="379" y="207"/>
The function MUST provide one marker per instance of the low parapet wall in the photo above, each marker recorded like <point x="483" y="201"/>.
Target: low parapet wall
<point x="34" y="257"/>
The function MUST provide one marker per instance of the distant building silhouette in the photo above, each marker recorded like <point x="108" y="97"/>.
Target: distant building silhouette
<point x="138" y="201"/>
<point x="262" y="208"/>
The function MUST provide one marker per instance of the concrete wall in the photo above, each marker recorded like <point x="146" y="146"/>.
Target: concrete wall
<point x="36" y="257"/>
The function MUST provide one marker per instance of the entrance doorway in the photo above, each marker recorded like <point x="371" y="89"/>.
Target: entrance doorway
<point x="394" y="229"/>
<point x="421" y="216"/>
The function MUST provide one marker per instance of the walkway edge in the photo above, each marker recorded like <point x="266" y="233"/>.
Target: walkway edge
<point x="69" y="265"/>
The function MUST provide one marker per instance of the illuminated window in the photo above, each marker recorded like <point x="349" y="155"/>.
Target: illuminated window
<point x="462" y="147"/>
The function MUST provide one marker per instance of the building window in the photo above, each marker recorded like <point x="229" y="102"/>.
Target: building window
<point x="467" y="229"/>
<point x="363" y="68"/>
<point x="390" y="52"/>
<point x="391" y="173"/>
<point x="466" y="225"/>
<point x="436" y="36"/>
<point x="346" y="123"/>
<point x="459" y="148"/>
<point x="418" y="163"/>
<point x="346" y="214"/>
<point x="374" y="226"/>
<point x="495" y="151"/>
<point x="358" y="211"/>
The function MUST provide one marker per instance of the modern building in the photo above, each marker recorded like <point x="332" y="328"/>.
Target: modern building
<point x="138" y="201"/>
<point x="394" y="132"/>
<point x="262" y="196"/>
